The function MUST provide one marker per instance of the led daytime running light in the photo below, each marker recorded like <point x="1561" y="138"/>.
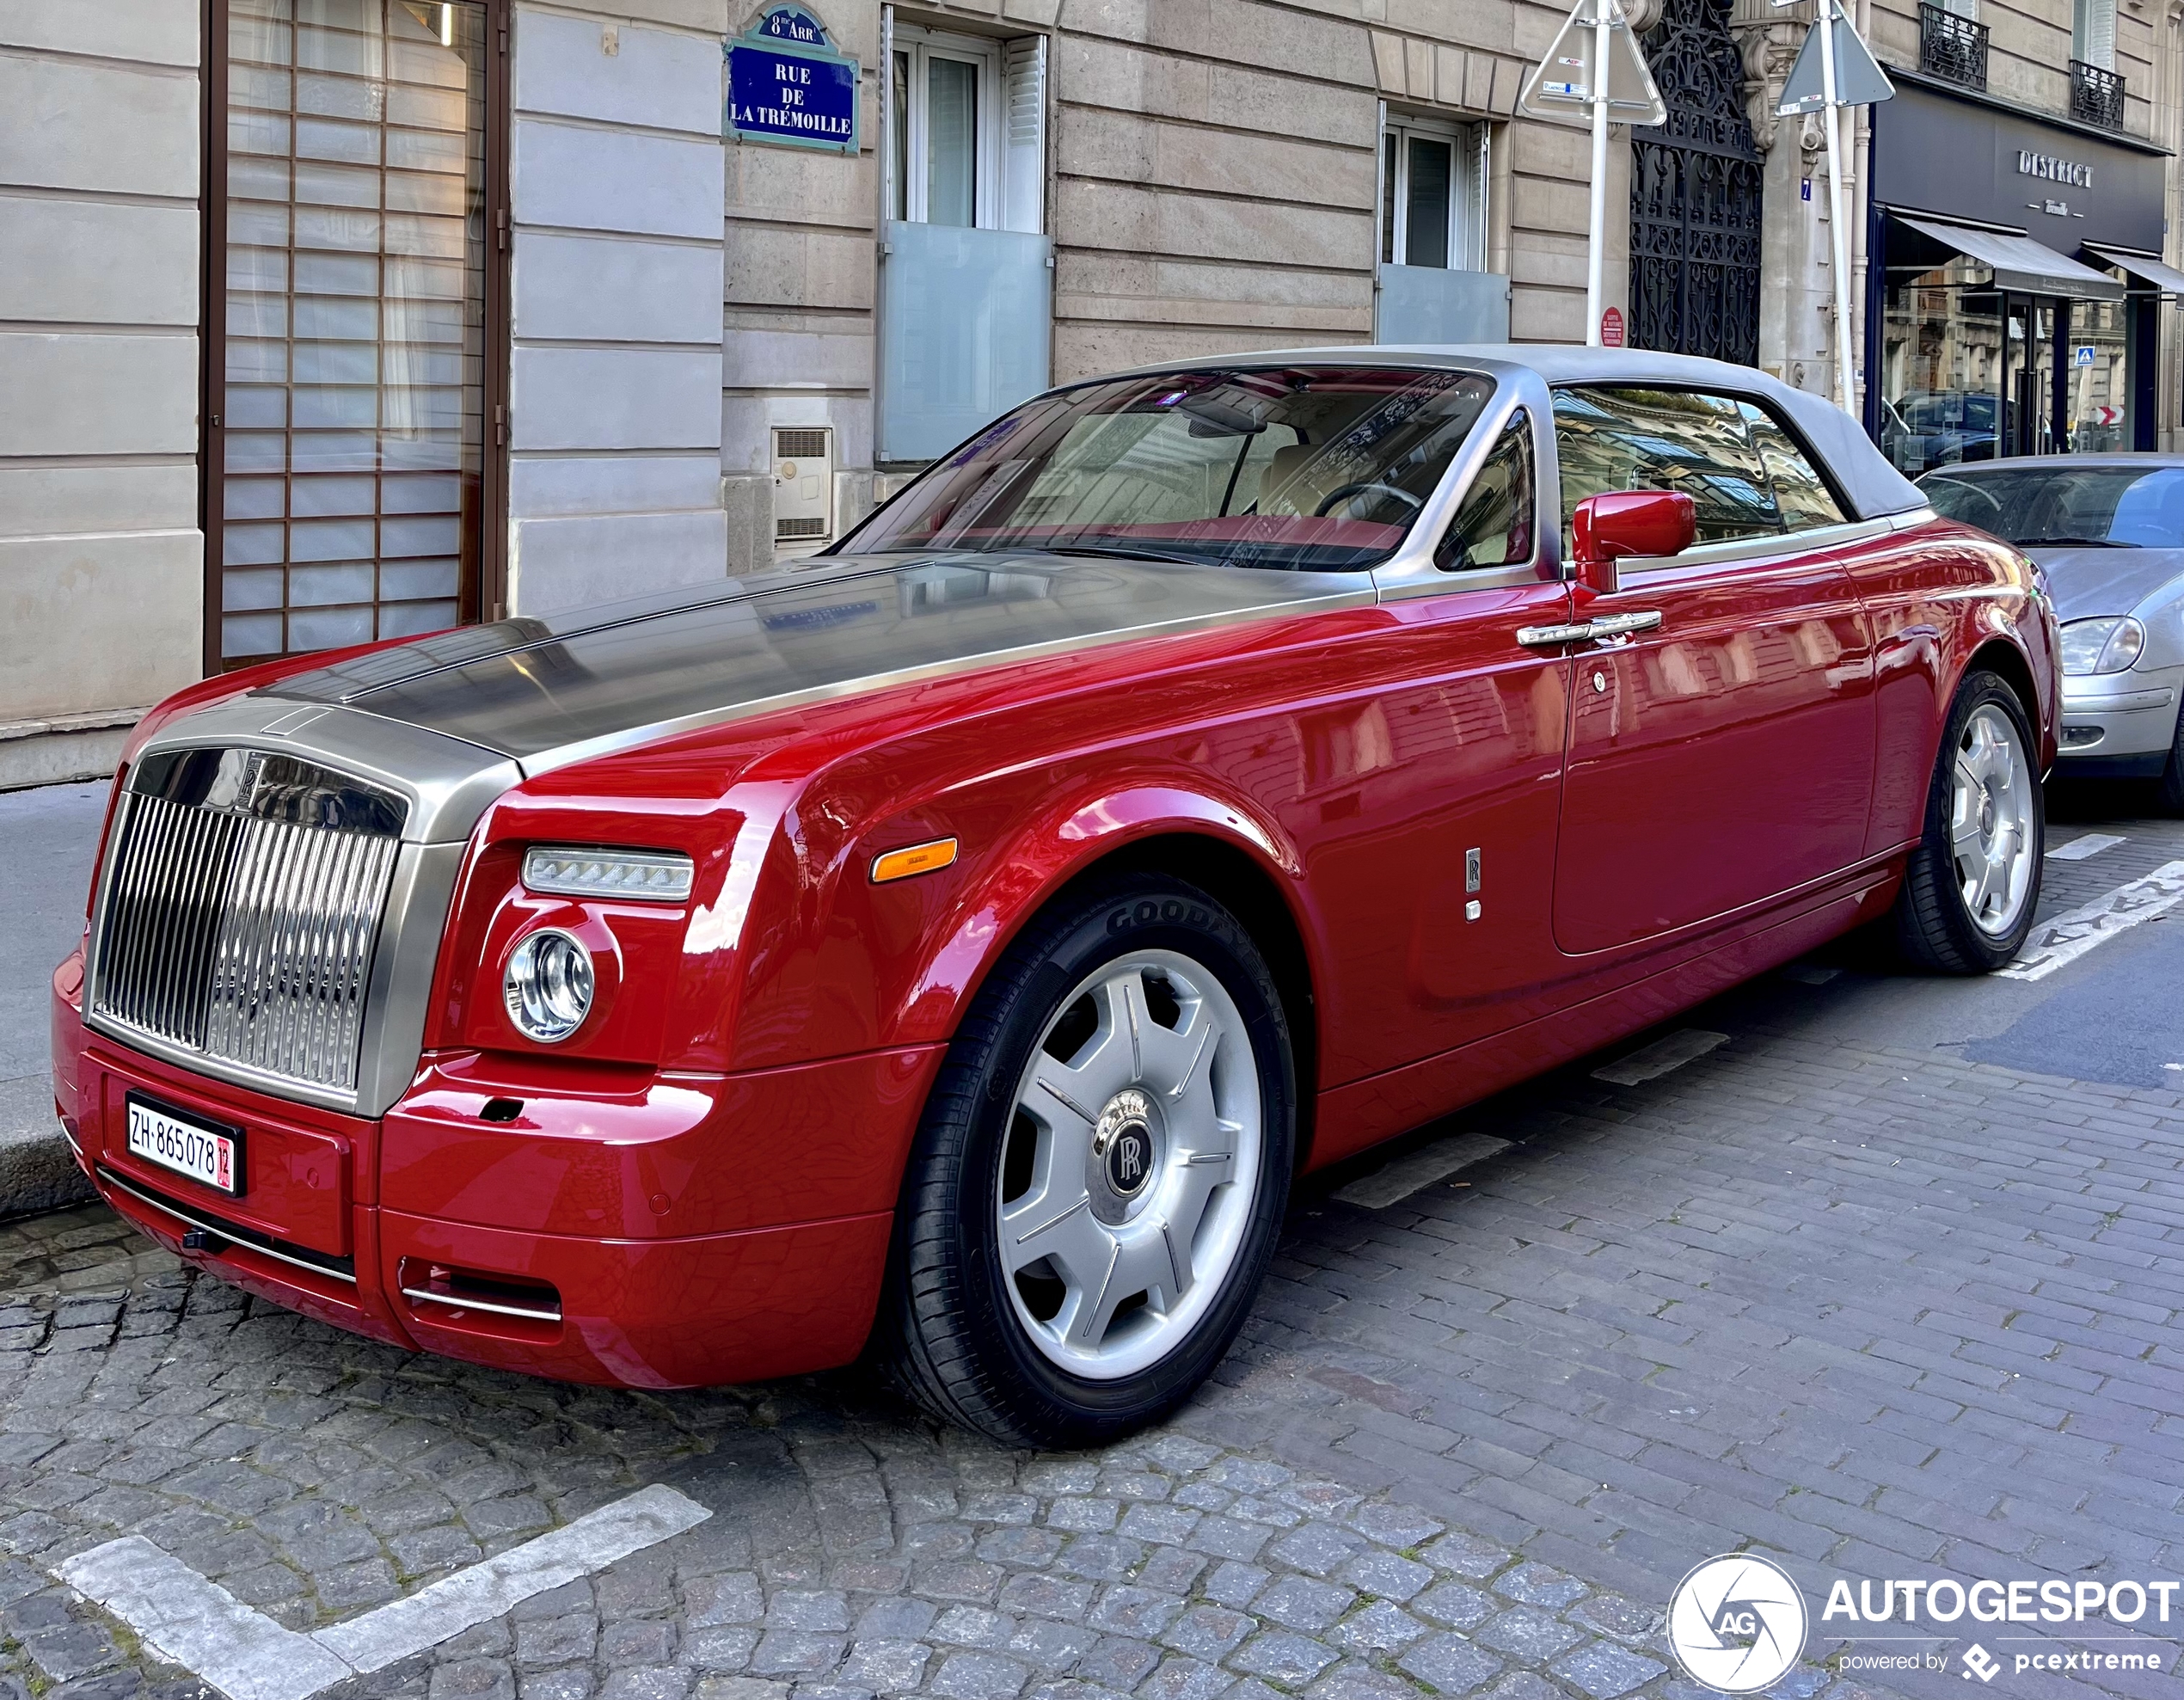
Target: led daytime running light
<point x="581" y="870"/>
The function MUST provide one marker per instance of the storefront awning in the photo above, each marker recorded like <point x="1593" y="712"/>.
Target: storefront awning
<point x="2166" y="278"/>
<point x="2021" y="263"/>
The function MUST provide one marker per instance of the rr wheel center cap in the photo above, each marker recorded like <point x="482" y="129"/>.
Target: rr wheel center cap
<point x="1125" y="1144"/>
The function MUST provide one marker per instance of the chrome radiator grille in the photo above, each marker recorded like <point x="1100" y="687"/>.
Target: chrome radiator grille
<point x="241" y="909"/>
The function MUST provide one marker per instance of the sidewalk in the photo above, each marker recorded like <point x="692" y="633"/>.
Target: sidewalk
<point x="47" y="838"/>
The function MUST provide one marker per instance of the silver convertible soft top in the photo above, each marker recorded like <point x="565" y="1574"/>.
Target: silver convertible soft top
<point x="1876" y="489"/>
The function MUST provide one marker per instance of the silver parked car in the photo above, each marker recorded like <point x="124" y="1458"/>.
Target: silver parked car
<point x="2109" y="531"/>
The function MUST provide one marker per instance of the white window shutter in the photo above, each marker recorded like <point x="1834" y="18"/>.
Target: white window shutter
<point x="2104" y="34"/>
<point x="2095" y="32"/>
<point x="1023" y="142"/>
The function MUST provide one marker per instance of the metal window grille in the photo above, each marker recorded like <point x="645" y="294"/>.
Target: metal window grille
<point x="1952" y="46"/>
<point x="2096" y="95"/>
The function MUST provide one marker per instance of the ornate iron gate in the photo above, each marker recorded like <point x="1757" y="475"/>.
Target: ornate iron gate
<point x="1695" y="185"/>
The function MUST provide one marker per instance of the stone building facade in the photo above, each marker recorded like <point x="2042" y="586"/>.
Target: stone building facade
<point x="334" y="319"/>
<point x="2091" y="86"/>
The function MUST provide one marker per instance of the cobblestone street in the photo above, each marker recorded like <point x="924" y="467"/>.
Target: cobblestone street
<point x="1856" y="1287"/>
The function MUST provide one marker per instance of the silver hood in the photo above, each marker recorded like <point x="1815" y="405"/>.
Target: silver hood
<point x="547" y="693"/>
<point x="2089" y="583"/>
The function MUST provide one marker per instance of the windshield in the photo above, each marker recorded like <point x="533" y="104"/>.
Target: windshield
<point x="1303" y="468"/>
<point x="2140" y="506"/>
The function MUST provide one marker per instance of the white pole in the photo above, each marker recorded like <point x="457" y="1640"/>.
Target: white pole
<point x="1596" y="252"/>
<point x="1844" y="396"/>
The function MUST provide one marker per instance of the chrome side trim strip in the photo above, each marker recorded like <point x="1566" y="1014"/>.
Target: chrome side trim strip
<point x="249" y="1238"/>
<point x="1703" y="558"/>
<point x="454" y="1303"/>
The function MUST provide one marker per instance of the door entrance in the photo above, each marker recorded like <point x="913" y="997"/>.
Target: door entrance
<point x="2029" y="392"/>
<point x="353" y="241"/>
<point x="1694" y="187"/>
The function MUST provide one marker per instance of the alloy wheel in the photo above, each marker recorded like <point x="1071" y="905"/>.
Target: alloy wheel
<point x="1991" y="825"/>
<point x="1132" y="1157"/>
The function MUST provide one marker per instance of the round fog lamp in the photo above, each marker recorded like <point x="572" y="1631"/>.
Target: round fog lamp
<point x="549" y="987"/>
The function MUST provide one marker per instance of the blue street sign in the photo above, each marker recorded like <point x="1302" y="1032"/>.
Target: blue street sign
<point x="787" y="85"/>
<point x="2085" y="355"/>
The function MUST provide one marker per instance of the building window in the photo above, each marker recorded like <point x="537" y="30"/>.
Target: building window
<point x="347" y="452"/>
<point x="1433" y="195"/>
<point x="966" y="117"/>
<point x="2093" y="32"/>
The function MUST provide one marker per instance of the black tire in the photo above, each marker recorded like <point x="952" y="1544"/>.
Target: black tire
<point x="1935" y="929"/>
<point x="2172" y="779"/>
<point x="948" y="1332"/>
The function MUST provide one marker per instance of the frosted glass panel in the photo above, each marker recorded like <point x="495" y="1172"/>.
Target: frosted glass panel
<point x="966" y="317"/>
<point x="355" y="321"/>
<point x="1431" y="304"/>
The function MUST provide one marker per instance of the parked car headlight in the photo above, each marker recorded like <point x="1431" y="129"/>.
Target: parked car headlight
<point x="2107" y="646"/>
<point x="549" y="986"/>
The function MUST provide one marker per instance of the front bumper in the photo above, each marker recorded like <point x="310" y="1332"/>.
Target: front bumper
<point x="618" y="1226"/>
<point x="2118" y="723"/>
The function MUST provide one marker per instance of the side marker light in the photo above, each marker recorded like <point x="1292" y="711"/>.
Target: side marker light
<point x="900" y="864"/>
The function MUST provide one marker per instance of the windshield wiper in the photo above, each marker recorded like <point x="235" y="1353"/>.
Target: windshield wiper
<point x="1122" y="551"/>
<point x="2072" y="542"/>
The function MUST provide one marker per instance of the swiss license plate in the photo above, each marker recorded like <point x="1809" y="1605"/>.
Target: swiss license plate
<point x="206" y="1153"/>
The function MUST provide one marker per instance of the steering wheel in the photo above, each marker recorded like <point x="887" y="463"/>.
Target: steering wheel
<point x="1343" y="491"/>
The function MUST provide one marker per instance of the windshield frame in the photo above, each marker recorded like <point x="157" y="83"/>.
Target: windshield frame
<point x="1976" y="474"/>
<point x="1400" y="559"/>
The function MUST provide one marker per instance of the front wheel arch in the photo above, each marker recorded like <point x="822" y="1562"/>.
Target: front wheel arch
<point x="2007" y="662"/>
<point x="1250" y="892"/>
<point x="1230" y="854"/>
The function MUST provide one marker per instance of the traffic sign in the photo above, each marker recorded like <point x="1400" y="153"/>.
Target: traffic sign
<point x="1859" y="79"/>
<point x="1594" y="66"/>
<point x="1561" y="84"/>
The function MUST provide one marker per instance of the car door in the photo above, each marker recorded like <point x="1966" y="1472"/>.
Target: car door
<point x="1439" y="878"/>
<point x="1725" y="756"/>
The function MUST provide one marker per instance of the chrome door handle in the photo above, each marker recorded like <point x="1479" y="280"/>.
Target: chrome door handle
<point x="1620" y="625"/>
<point x="1549" y="638"/>
<point x="1608" y="625"/>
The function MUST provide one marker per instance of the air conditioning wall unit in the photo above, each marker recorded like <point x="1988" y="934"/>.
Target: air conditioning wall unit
<point x="803" y="483"/>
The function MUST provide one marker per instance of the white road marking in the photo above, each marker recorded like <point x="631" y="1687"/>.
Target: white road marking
<point x="198" y="1625"/>
<point x="2085" y="844"/>
<point x="1392" y="1182"/>
<point x="2061" y="941"/>
<point x="484" y="1592"/>
<point x="1662" y="1057"/>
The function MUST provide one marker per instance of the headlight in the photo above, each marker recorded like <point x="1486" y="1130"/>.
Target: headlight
<point x="2101" y="645"/>
<point x="549" y="987"/>
<point x="580" y="871"/>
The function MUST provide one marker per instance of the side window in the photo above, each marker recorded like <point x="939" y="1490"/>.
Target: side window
<point x="1664" y="439"/>
<point x="963" y="121"/>
<point x="1493" y="525"/>
<point x="1800" y="492"/>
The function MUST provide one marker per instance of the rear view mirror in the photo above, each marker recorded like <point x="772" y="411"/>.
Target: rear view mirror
<point x="1606" y="528"/>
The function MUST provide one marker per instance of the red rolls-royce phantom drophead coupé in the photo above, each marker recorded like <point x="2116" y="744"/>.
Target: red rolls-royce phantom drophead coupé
<point x="952" y="949"/>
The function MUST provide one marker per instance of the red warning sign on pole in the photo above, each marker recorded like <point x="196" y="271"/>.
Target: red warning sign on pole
<point x="1612" y="328"/>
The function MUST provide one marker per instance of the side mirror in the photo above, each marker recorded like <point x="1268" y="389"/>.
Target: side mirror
<point x="1606" y="528"/>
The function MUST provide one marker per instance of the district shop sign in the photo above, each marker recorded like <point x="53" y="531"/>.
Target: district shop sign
<point x="787" y="85"/>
